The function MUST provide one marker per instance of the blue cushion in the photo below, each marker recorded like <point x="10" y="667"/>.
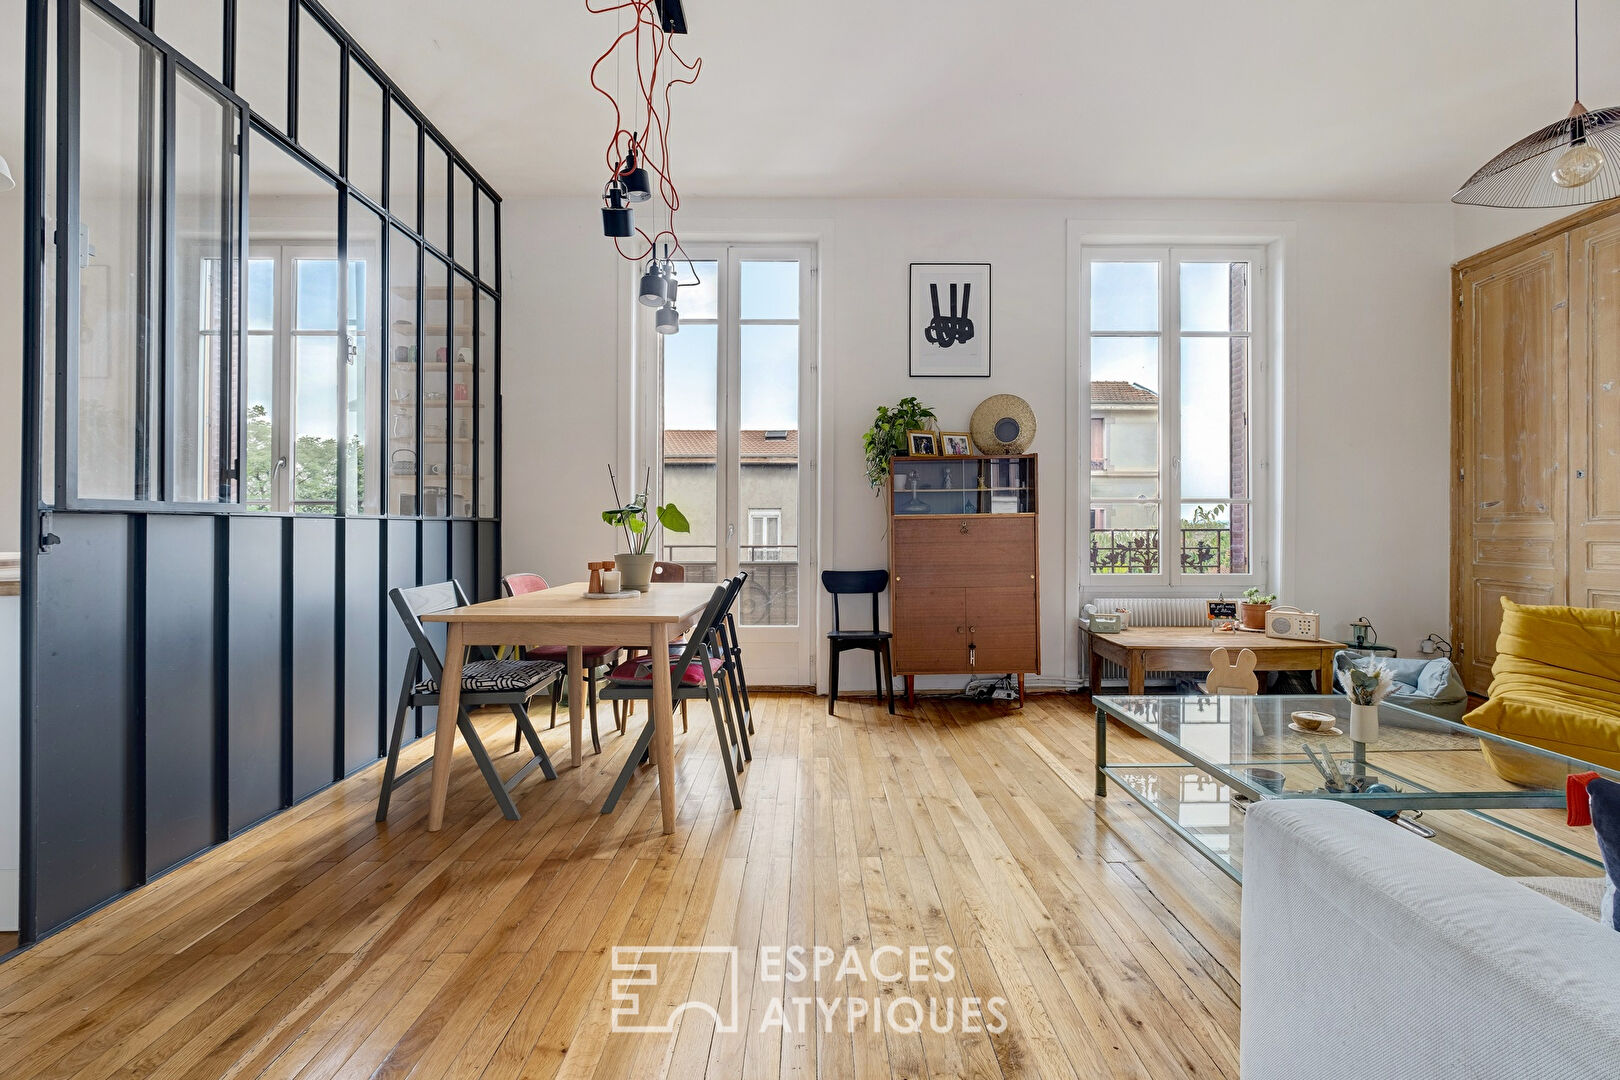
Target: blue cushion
<point x="1605" y="798"/>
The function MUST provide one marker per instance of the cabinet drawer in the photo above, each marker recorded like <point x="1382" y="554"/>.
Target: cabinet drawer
<point x="930" y="630"/>
<point x="964" y="551"/>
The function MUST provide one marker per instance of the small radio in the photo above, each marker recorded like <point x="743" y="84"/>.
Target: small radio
<point x="1292" y="623"/>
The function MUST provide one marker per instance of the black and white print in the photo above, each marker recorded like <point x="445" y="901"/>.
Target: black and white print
<point x="950" y="320"/>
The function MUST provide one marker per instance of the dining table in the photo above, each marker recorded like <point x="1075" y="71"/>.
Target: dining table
<point x="565" y="615"/>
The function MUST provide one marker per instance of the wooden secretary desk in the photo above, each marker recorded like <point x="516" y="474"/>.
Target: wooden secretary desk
<point x="964" y="563"/>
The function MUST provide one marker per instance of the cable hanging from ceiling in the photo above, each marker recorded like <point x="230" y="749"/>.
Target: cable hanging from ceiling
<point x="637" y="158"/>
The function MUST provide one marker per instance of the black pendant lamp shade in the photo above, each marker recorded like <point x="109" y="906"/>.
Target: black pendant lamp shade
<point x="655" y="288"/>
<point x="669" y="320"/>
<point x="636" y="186"/>
<point x="617" y="219"/>
<point x="1571" y="163"/>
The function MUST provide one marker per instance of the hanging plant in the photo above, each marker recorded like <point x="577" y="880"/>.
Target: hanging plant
<point x="887" y="436"/>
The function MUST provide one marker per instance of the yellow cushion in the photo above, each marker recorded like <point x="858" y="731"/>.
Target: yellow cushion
<point x="1555" y="683"/>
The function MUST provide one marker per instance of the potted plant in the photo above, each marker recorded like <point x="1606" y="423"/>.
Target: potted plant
<point x="635" y="564"/>
<point x="887" y="436"/>
<point x="1366" y="688"/>
<point x="1253" y="607"/>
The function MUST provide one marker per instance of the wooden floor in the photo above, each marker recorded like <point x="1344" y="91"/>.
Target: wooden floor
<point x="321" y="944"/>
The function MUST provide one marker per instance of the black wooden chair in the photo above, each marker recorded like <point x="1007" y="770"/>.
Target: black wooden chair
<point x="839" y="641"/>
<point x="695" y="673"/>
<point x="484" y="681"/>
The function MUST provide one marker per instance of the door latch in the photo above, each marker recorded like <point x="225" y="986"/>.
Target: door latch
<point x="47" y="539"/>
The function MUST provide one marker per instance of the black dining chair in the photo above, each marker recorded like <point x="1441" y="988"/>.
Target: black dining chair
<point x="839" y="641"/>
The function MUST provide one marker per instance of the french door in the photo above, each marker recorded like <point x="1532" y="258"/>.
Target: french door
<point x="737" y="443"/>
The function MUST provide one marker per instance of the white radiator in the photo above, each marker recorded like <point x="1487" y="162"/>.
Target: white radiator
<point x="1145" y="611"/>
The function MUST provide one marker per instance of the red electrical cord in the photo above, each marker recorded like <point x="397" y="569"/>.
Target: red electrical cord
<point x="651" y="146"/>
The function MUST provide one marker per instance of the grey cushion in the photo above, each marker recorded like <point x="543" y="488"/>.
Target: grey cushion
<point x="500" y="676"/>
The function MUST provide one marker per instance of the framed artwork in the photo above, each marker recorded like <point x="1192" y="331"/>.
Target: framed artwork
<point x="950" y="320"/>
<point x="955" y="444"/>
<point x="922" y="444"/>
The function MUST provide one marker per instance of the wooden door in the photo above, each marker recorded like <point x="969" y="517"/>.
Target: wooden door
<point x="930" y="630"/>
<point x="1510" y="418"/>
<point x="1003" y="629"/>
<point x="1594" y="433"/>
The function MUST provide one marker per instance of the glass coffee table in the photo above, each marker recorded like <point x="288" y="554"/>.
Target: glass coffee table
<point x="1231" y="751"/>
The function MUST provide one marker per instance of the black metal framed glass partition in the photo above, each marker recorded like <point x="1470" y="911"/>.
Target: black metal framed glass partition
<point x="262" y="311"/>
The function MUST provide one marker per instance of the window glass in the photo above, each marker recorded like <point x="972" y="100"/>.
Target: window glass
<point x="699" y="295"/>
<point x="463" y="235"/>
<point x="463" y="305"/>
<point x="1124" y="296"/>
<point x="261" y="58"/>
<point x="404" y="290"/>
<point x="320" y="86"/>
<point x="363" y="383"/>
<point x="365" y="131"/>
<point x="197" y="29"/>
<point x="486" y="238"/>
<point x="436" y="351"/>
<point x="259" y="383"/>
<point x="403" y="139"/>
<point x="485" y="414"/>
<point x="770" y="290"/>
<point x="119" y="398"/>
<point x="436" y="196"/>
<point x="204" y="200"/>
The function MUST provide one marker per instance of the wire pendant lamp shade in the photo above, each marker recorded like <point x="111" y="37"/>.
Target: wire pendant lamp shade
<point x="1573" y="162"/>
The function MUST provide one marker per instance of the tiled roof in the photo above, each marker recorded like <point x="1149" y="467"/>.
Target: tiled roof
<point x="1121" y="393"/>
<point x="755" y="445"/>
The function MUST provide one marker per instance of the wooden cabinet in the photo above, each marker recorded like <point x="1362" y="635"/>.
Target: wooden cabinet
<point x="963" y="561"/>
<point x="1535" y="429"/>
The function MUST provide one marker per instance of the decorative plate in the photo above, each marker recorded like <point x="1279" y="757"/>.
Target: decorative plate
<point x="1003" y="424"/>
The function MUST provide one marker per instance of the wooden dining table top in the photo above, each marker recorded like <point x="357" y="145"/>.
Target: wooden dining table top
<point x="1202" y="637"/>
<point x="663" y="602"/>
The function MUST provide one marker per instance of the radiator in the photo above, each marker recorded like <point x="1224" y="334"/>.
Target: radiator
<point x="1145" y="611"/>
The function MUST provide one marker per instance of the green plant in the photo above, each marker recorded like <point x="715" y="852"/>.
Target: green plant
<point x="1256" y="596"/>
<point x="632" y="518"/>
<point x="887" y="436"/>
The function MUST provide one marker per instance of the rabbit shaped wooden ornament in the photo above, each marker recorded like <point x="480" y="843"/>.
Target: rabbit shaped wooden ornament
<point x="1226" y="677"/>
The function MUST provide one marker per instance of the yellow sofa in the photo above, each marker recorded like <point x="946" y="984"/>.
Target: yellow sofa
<point x="1555" y="684"/>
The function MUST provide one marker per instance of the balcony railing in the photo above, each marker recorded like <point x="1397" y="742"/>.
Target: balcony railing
<point x="771" y="597"/>
<point x="1204" y="550"/>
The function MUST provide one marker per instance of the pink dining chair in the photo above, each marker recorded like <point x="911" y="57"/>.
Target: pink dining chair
<point x="596" y="656"/>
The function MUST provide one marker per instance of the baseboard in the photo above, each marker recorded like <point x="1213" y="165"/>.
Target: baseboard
<point x="10" y="887"/>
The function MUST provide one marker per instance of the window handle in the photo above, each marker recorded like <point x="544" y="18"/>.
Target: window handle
<point x="275" y="470"/>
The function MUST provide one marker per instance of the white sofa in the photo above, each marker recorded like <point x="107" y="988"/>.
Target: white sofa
<point x="1371" y="952"/>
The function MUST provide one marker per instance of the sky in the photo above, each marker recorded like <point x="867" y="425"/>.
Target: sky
<point x="1125" y="297"/>
<point x="769" y="360"/>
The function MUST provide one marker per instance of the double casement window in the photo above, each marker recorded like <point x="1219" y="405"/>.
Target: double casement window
<point x="1172" y="353"/>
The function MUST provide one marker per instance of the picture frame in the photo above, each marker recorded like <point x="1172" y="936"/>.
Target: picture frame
<point x="922" y="444"/>
<point x="955" y="444"/>
<point x="950" y="314"/>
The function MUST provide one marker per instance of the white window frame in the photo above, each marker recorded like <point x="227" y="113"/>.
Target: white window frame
<point x="1171" y="578"/>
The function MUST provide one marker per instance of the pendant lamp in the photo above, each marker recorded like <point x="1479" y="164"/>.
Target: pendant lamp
<point x="617" y="219"/>
<point x="636" y="186"/>
<point x="1573" y="162"/>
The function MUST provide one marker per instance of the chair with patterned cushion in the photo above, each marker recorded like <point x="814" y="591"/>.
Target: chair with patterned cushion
<point x="694" y="674"/>
<point x="596" y="657"/>
<point x="485" y="680"/>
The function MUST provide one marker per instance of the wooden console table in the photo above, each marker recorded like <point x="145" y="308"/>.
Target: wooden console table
<point x="1183" y="648"/>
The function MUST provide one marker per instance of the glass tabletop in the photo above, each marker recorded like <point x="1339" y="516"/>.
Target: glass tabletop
<point x="1255" y="743"/>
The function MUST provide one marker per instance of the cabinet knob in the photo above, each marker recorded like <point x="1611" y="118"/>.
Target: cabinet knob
<point x="959" y="630"/>
<point x="973" y="629"/>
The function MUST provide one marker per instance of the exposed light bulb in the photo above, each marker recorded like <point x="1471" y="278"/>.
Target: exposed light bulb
<point x="1578" y="165"/>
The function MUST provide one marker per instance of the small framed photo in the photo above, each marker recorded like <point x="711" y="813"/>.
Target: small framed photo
<point x="950" y="320"/>
<point x="955" y="444"/>
<point x="922" y="444"/>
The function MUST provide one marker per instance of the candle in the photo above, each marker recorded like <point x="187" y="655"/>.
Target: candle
<point x="610" y="581"/>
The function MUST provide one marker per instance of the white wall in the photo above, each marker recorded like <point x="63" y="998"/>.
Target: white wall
<point x="1475" y="228"/>
<point x="1364" y="378"/>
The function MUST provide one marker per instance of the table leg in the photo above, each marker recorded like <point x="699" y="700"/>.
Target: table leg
<point x="1093" y="666"/>
<point x="444" y="733"/>
<point x="663" y="708"/>
<point x="1324" y="674"/>
<point x="1136" y="672"/>
<point x="1102" y="753"/>
<point x="576" y="701"/>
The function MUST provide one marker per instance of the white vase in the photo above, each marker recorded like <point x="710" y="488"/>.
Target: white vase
<point x="1363" y="723"/>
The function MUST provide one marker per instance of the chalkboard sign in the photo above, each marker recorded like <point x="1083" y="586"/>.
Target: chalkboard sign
<point x="1221" y="609"/>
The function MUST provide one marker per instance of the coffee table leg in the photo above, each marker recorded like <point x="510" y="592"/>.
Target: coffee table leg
<point x="1102" y="754"/>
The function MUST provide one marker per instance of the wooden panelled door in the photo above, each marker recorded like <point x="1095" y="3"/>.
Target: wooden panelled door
<point x="1594" y="390"/>
<point x="1510" y="416"/>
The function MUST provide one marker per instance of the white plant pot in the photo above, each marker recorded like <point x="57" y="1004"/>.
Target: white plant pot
<point x="1363" y="723"/>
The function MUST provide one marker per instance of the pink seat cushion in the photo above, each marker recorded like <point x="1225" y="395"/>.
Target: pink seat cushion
<point x="639" y="672"/>
<point x="593" y="653"/>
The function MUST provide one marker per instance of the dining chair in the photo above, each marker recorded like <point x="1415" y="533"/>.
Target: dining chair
<point x="839" y="641"/>
<point x="733" y="657"/>
<point x="595" y="657"/>
<point x="662" y="572"/>
<point x="668" y="571"/>
<point x="485" y="680"/>
<point x="695" y="674"/>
